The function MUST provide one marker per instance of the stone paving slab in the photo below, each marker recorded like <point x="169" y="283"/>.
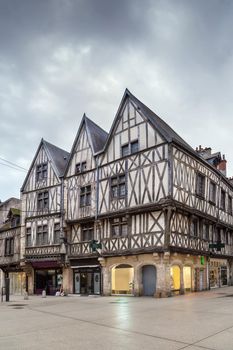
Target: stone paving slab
<point x="192" y="322"/>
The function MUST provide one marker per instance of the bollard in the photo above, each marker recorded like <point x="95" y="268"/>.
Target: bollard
<point x="7" y="288"/>
<point x="43" y="293"/>
<point x="25" y="295"/>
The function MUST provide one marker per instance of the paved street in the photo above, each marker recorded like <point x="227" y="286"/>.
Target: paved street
<point x="193" y="322"/>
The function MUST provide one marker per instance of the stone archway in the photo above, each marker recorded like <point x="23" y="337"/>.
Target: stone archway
<point x="122" y="279"/>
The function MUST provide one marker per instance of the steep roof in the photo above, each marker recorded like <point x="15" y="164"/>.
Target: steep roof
<point x="96" y="135"/>
<point x="167" y="132"/>
<point x="58" y="156"/>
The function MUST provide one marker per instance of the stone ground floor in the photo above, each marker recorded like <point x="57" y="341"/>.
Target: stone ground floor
<point x="192" y="322"/>
<point x="152" y="274"/>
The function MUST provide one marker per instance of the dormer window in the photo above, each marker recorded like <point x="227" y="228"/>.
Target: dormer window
<point x="41" y="171"/>
<point x="129" y="148"/>
<point x="80" y="167"/>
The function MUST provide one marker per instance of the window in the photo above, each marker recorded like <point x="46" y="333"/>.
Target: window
<point x="80" y="167"/>
<point x="87" y="232"/>
<point x="205" y="232"/>
<point x="129" y="148"/>
<point x="28" y="237"/>
<point x="200" y="185"/>
<point x="223" y="200"/>
<point x="42" y="235"/>
<point x="41" y="171"/>
<point x="119" y="227"/>
<point x="229" y="209"/>
<point x="118" y="186"/>
<point x="56" y="233"/>
<point x="212" y="192"/>
<point x="9" y="246"/>
<point x="42" y="200"/>
<point x="194" y="228"/>
<point x="85" y="196"/>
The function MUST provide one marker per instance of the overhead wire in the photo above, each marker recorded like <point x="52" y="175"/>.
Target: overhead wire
<point x="18" y="166"/>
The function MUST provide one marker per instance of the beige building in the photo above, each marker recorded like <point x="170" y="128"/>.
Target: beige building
<point x="135" y="211"/>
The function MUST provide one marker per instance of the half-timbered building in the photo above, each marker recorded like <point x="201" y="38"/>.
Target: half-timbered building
<point x="155" y="205"/>
<point x="10" y="231"/>
<point x="42" y="239"/>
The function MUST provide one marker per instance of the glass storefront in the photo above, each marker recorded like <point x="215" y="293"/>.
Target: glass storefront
<point x="48" y="280"/>
<point x="87" y="281"/>
<point x="218" y="273"/>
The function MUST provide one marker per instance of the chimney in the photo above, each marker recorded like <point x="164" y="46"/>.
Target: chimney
<point x="222" y="166"/>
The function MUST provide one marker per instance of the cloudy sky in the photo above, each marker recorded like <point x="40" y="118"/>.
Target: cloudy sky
<point x="61" y="58"/>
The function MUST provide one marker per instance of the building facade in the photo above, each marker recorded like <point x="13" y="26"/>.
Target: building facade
<point x="136" y="211"/>
<point x="10" y="238"/>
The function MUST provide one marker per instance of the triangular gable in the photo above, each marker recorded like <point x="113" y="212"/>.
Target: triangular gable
<point x="166" y="133"/>
<point x="45" y="147"/>
<point x="89" y="135"/>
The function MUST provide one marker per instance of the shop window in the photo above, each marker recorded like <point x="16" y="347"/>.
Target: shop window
<point x="43" y="200"/>
<point x="80" y="167"/>
<point x="42" y="235"/>
<point x="57" y="233"/>
<point x="212" y="192"/>
<point x="200" y="185"/>
<point x="119" y="227"/>
<point x="28" y="237"/>
<point x="9" y="246"/>
<point x="41" y="171"/>
<point x="85" y="196"/>
<point x="118" y="186"/>
<point x="87" y="232"/>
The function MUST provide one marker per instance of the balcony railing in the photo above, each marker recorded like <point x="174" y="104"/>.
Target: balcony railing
<point x="43" y="250"/>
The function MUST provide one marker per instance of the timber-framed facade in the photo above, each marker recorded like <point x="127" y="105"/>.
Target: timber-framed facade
<point x="153" y="204"/>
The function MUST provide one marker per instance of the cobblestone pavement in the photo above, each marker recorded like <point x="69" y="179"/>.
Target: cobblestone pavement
<point x="192" y="322"/>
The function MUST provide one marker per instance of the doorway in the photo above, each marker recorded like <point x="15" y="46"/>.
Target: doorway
<point x="122" y="279"/>
<point x="87" y="282"/>
<point x="175" y="279"/>
<point x="149" y="280"/>
<point x="187" y="275"/>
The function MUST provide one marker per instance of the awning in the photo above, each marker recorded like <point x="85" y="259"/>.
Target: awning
<point x="83" y="266"/>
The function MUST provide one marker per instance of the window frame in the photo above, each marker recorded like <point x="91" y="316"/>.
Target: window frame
<point x="41" y="171"/>
<point x="229" y="205"/>
<point x="80" y="167"/>
<point x="42" y="230"/>
<point x="118" y="185"/>
<point x="129" y="147"/>
<point x="43" y="202"/>
<point x="200" y="187"/>
<point x="87" y="229"/>
<point x="9" y="246"/>
<point x="119" y="222"/>
<point x="222" y="197"/>
<point x="85" y="196"/>
<point x="56" y="232"/>
<point x="28" y="234"/>
<point x="212" y="199"/>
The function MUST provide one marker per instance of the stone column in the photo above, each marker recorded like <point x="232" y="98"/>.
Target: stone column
<point x="106" y="277"/>
<point x="163" y="287"/>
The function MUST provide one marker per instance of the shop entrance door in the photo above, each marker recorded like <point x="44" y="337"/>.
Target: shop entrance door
<point x="86" y="282"/>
